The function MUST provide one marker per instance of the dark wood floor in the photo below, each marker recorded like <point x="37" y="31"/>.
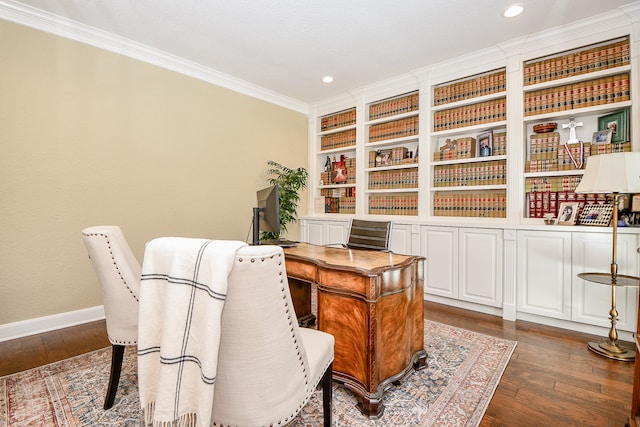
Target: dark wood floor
<point x="551" y="380"/>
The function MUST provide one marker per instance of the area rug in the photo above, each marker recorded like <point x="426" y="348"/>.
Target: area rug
<point x="463" y="371"/>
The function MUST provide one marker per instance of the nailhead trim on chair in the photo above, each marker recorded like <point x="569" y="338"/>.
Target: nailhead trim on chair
<point x="114" y="263"/>
<point x="121" y="278"/>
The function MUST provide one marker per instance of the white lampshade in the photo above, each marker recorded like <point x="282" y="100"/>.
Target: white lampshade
<point x="611" y="173"/>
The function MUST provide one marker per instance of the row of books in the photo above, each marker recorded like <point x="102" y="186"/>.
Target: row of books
<point x="466" y="174"/>
<point x="470" y="115"/>
<point x="391" y="157"/>
<point x="546" y="154"/>
<point x="397" y="204"/>
<point x="344" y="205"/>
<point x="550" y="156"/>
<point x="338" y="192"/>
<point x="470" y="88"/>
<point x="338" y="120"/>
<point x="548" y="202"/>
<point x="396" y="178"/>
<point x="394" y="129"/>
<point x="605" y="90"/>
<point x="471" y="204"/>
<point x="578" y="62"/>
<point x="466" y="148"/>
<point x="499" y="144"/>
<point x="543" y="146"/>
<point x="551" y="183"/>
<point x="342" y="139"/>
<point x="397" y="105"/>
<point x="461" y="148"/>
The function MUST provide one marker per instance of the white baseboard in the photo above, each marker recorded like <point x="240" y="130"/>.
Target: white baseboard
<point x="38" y="325"/>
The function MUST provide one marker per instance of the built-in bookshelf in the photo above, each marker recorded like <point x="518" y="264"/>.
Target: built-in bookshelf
<point x="337" y="162"/>
<point x="567" y="97"/>
<point x="392" y="141"/>
<point x="469" y="143"/>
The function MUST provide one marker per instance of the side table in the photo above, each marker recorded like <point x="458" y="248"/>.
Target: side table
<point x="611" y="348"/>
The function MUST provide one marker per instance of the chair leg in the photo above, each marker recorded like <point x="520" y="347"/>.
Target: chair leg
<point x="117" y="354"/>
<point x="327" y="394"/>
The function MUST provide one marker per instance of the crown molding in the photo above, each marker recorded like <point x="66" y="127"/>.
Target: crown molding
<point x="59" y="26"/>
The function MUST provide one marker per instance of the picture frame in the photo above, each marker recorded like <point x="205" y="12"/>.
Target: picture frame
<point x="602" y="136"/>
<point x="484" y="143"/>
<point x="567" y="213"/>
<point x="383" y="158"/>
<point x="635" y="203"/>
<point x="596" y="214"/>
<point x="618" y="123"/>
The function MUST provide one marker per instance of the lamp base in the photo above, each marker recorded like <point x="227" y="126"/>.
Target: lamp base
<point x="613" y="351"/>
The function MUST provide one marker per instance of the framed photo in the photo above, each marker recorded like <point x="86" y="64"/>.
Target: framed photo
<point x="383" y="158"/>
<point x="618" y="123"/>
<point x="485" y="144"/>
<point x="567" y="213"/>
<point x="635" y="203"/>
<point x="596" y="214"/>
<point x="602" y="137"/>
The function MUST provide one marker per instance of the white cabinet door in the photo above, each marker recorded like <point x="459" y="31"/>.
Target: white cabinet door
<point x="480" y="264"/>
<point x="440" y="247"/>
<point x="544" y="273"/>
<point x="592" y="301"/>
<point x="400" y="240"/>
<point x="324" y="232"/>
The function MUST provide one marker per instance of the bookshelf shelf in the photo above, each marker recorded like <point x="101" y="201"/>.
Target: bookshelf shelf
<point x="470" y="129"/>
<point x="578" y="78"/>
<point x="566" y="114"/>
<point x="394" y="141"/>
<point x="469" y="188"/>
<point x="469" y="101"/>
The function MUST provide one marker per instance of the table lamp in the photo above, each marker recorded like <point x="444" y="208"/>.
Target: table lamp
<point x="614" y="174"/>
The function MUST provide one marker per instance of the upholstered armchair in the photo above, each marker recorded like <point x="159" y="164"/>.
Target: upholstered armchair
<point x="268" y="366"/>
<point x="217" y="320"/>
<point x="118" y="272"/>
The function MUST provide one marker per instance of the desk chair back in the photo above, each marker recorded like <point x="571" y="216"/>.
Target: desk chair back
<point x="268" y="367"/>
<point x="118" y="272"/>
<point x="372" y="235"/>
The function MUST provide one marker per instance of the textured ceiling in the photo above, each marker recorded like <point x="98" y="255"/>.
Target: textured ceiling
<point x="286" y="46"/>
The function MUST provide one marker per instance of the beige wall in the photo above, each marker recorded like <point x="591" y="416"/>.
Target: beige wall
<point x="89" y="137"/>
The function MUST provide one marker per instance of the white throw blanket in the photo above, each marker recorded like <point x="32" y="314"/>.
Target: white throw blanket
<point x="182" y="293"/>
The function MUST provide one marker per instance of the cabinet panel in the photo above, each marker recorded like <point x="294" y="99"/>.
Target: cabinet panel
<point x="316" y="232"/>
<point x="400" y="241"/>
<point x="440" y="247"/>
<point x="544" y="273"/>
<point x="591" y="301"/>
<point x="321" y="232"/>
<point x="481" y="266"/>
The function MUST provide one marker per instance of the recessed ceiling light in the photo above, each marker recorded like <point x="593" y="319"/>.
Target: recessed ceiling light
<point x="327" y="79"/>
<point x="512" y="11"/>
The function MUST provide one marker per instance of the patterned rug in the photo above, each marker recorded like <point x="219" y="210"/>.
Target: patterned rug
<point x="463" y="371"/>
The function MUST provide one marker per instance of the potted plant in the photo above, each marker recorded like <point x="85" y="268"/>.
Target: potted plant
<point x="290" y="182"/>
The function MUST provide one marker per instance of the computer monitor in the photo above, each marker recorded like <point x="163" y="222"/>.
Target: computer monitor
<point x="266" y="217"/>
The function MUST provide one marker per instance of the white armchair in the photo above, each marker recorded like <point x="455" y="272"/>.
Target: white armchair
<point x="118" y="272"/>
<point x="219" y="342"/>
<point x="268" y="366"/>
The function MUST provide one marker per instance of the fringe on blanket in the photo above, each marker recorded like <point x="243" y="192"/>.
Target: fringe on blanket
<point x="185" y="420"/>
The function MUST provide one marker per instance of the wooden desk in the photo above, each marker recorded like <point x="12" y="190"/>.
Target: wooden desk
<point x="372" y="303"/>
